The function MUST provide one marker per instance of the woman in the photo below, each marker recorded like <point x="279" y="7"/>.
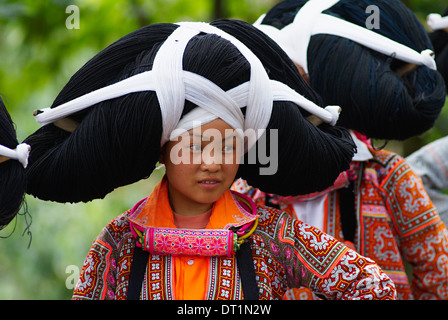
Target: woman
<point x="387" y="86"/>
<point x="195" y="91"/>
<point x="431" y="161"/>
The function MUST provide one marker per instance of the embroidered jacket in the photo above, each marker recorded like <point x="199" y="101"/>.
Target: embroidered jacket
<point x="431" y="164"/>
<point x="396" y="223"/>
<point x="286" y="253"/>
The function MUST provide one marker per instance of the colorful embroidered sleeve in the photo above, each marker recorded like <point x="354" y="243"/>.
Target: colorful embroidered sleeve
<point x="97" y="279"/>
<point x="423" y="236"/>
<point x="95" y="270"/>
<point x="316" y="260"/>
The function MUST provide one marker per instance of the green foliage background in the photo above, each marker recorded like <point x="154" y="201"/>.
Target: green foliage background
<point x="37" y="57"/>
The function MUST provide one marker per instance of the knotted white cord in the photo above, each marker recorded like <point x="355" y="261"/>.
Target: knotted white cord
<point x="437" y="22"/>
<point x="21" y="153"/>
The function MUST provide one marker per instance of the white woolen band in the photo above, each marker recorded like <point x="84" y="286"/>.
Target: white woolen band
<point x="437" y="22"/>
<point x="21" y="153"/>
<point x="168" y="70"/>
<point x="173" y="86"/>
<point x="295" y="37"/>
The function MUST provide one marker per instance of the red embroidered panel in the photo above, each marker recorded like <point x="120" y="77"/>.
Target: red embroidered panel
<point x="92" y="282"/>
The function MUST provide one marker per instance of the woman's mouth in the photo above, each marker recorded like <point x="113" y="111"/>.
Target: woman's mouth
<point x="209" y="183"/>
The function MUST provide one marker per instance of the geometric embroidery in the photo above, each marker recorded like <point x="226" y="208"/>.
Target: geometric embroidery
<point x="412" y="205"/>
<point x="226" y="279"/>
<point x="155" y="279"/>
<point x="122" y="268"/>
<point x="278" y="245"/>
<point x="224" y="282"/>
<point x="92" y="280"/>
<point x="397" y="223"/>
<point x="171" y="241"/>
<point x="317" y="250"/>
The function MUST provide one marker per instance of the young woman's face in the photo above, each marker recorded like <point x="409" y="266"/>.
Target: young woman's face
<point x="200" y="166"/>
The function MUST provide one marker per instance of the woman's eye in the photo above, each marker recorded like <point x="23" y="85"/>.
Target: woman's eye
<point x="228" y="148"/>
<point x="196" y="147"/>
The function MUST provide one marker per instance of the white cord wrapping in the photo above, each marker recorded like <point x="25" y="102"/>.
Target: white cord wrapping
<point x="173" y="86"/>
<point x="170" y="87"/>
<point x="21" y="153"/>
<point x="437" y="22"/>
<point x="295" y="37"/>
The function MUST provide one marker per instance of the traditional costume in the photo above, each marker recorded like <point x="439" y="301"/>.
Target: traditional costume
<point x="379" y="206"/>
<point x="197" y="71"/>
<point x="385" y="80"/>
<point x="431" y="164"/>
<point x="431" y="161"/>
<point x="202" y="264"/>
<point x="380" y="209"/>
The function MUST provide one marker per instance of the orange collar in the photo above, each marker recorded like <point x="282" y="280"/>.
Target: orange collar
<point x="227" y="211"/>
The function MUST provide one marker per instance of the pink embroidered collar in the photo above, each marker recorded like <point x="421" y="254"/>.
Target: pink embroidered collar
<point x="232" y="220"/>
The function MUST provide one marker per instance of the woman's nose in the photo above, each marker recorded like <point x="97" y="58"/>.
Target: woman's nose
<point x="210" y="162"/>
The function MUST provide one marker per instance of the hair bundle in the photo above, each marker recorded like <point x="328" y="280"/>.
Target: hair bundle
<point x="439" y="40"/>
<point x="12" y="173"/>
<point x="117" y="141"/>
<point x="375" y="98"/>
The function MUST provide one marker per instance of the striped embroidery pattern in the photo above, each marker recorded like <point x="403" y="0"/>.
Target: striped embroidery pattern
<point x="92" y="281"/>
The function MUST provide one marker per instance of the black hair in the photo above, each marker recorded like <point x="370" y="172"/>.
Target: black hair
<point x="374" y="99"/>
<point x="439" y="40"/>
<point x="118" y="141"/>
<point x="12" y="172"/>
